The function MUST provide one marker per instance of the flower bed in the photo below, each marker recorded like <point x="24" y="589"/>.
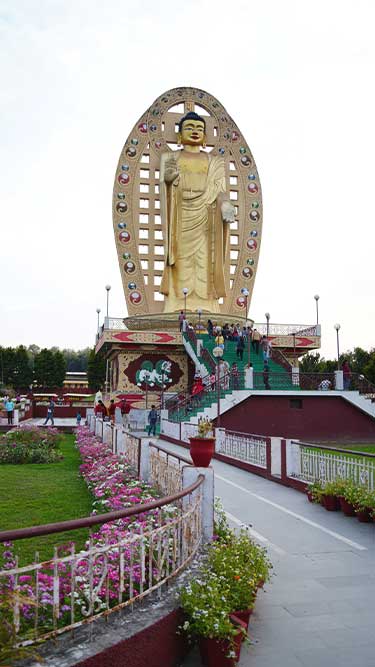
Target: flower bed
<point x="30" y="444"/>
<point x="113" y="572"/>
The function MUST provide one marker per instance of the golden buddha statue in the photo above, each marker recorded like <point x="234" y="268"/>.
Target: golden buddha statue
<point x="196" y="213"/>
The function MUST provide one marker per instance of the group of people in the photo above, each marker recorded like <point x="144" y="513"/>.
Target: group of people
<point x="108" y="413"/>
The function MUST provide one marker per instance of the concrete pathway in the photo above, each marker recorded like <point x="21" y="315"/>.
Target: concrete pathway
<point x="319" y="609"/>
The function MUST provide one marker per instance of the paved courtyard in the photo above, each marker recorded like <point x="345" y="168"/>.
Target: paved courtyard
<point x="319" y="609"/>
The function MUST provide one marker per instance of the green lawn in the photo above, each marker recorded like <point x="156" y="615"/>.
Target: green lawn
<point x="34" y="494"/>
<point x="366" y="447"/>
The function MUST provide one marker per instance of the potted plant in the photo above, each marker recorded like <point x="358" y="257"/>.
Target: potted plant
<point x="365" y="505"/>
<point x="206" y="606"/>
<point x="243" y="566"/>
<point x="316" y="492"/>
<point x="348" y="498"/>
<point x="330" y="499"/>
<point x="202" y="446"/>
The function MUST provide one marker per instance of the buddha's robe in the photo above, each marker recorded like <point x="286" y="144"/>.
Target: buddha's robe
<point x="196" y="236"/>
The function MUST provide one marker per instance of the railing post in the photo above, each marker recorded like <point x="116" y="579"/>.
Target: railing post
<point x="293" y="460"/>
<point x="339" y="380"/>
<point x="144" y="462"/>
<point x="219" y="439"/>
<point x="99" y="427"/>
<point x="276" y="457"/>
<point x="283" y="459"/>
<point x="189" y="475"/>
<point x="249" y="378"/>
<point x="295" y="376"/>
<point x="269" y="456"/>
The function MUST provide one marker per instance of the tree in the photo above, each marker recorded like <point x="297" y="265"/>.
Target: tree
<point x="22" y="371"/>
<point x="369" y="369"/>
<point x="96" y="368"/>
<point x="312" y="363"/>
<point x="7" y="362"/>
<point x="59" y="369"/>
<point x="44" y="368"/>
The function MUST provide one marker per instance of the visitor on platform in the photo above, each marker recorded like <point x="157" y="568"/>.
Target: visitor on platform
<point x="181" y="318"/>
<point x="210" y="329"/>
<point x="346" y="375"/>
<point x="112" y="410"/>
<point x="240" y="347"/>
<point x="266" y="375"/>
<point x="235" y="376"/>
<point x="197" y="388"/>
<point x="9" y="408"/>
<point x="212" y="381"/>
<point x="125" y="409"/>
<point x="100" y="410"/>
<point x="152" y="420"/>
<point x="50" y="412"/>
<point x="325" y="385"/>
<point x="256" y="337"/>
<point x="219" y="340"/>
<point x="79" y="418"/>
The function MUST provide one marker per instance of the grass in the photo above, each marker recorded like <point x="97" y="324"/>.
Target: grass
<point x="364" y="447"/>
<point x="34" y="494"/>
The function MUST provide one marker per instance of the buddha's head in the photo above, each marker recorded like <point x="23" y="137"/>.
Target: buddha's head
<point x="192" y="130"/>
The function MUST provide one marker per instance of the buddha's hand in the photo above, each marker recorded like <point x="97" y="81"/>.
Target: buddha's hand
<point x="171" y="172"/>
<point x="227" y="211"/>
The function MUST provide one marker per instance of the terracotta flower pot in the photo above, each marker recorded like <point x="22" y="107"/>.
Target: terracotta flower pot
<point x="202" y="451"/>
<point x="214" y="651"/>
<point x="309" y="496"/>
<point x="244" y="616"/>
<point x="346" y="508"/>
<point x="331" y="503"/>
<point x="364" y="516"/>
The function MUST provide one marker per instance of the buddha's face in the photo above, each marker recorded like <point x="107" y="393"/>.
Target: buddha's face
<point x="192" y="133"/>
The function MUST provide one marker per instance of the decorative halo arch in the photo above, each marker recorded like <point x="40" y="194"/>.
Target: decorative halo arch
<point x="138" y="227"/>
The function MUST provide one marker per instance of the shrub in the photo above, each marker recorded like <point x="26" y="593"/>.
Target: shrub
<point x="30" y="444"/>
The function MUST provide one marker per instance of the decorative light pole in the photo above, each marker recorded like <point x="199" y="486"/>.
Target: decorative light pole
<point x="218" y="353"/>
<point x="337" y="327"/>
<point x="108" y="287"/>
<point x="98" y="313"/>
<point x="199" y="319"/>
<point x="316" y="297"/>
<point x="245" y="293"/>
<point x="185" y="293"/>
<point x="267" y="316"/>
<point x="294" y="348"/>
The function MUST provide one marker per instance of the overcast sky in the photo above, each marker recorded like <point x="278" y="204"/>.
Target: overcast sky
<point x="298" y="79"/>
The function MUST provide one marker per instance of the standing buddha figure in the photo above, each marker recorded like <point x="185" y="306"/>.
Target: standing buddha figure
<point x="196" y="212"/>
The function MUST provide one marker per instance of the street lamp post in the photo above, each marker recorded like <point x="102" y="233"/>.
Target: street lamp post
<point x="199" y="319"/>
<point x="98" y="313"/>
<point x="185" y="293"/>
<point x="267" y="316"/>
<point x="108" y="287"/>
<point x="218" y="353"/>
<point x="294" y="348"/>
<point x="316" y="297"/>
<point x="337" y="327"/>
<point x="245" y="293"/>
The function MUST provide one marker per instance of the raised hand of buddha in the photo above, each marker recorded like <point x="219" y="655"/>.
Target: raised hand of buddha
<point x="171" y="172"/>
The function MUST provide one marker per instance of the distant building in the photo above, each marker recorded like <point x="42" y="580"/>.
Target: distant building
<point x="75" y="380"/>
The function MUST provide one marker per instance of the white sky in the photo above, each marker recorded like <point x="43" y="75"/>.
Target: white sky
<point x="298" y="79"/>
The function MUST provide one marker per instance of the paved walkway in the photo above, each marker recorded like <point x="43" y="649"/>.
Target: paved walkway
<point x="319" y="609"/>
